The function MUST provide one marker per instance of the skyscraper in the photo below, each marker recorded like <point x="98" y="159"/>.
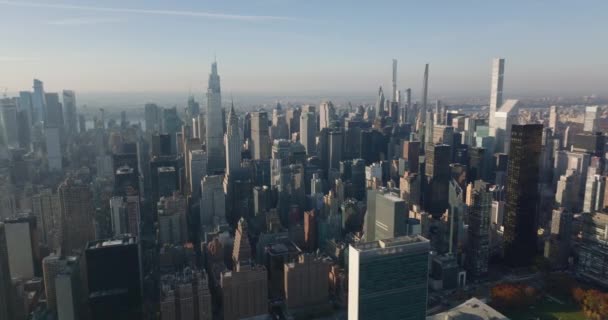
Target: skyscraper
<point x="152" y="114"/>
<point x="260" y="136"/>
<point x="8" y="116"/>
<point x="69" y="108"/>
<point x="591" y="118"/>
<point x="498" y="70"/>
<point x="387" y="279"/>
<point x="379" y="103"/>
<point x="76" y="200"/>
<point x="478" y="253"/>
<point x="308" y="130"/>
<point x="38" y="102"/>
<point x="215" y="125"/>
<point x="503" y="119"/>
<point x="327" y="114"/>
<point x="233" y="142"/>
<point x="114" y="278"/>
<point x="522" y="196"/>
<point x="6" y="306"/>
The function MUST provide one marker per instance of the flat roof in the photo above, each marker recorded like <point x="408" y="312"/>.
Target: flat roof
<point x="470" y="309"/>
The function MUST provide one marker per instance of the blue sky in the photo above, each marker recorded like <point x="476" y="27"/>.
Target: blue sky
<point x="270" y="46"/>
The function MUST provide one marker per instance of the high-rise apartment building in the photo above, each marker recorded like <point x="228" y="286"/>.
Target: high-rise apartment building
<point x="498" y="70"/>
<point x="388" y="279"/>
<point x="522" y="196"/>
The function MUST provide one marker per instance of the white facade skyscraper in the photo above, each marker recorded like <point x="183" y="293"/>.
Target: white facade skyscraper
<point x="591" y="117"/>
<point x="215" y="126"/>
<point x="308" y="128"/>
<point x="498" y="70"/>
<point x="327" y="113"/>
<point x="504" y="119"/>
<point x="233" y="142"/>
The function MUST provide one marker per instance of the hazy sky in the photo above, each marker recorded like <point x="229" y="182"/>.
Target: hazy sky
<point x="551" y="47"/>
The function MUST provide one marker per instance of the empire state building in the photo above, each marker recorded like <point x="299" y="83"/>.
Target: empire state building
<point x="215" y="128"/>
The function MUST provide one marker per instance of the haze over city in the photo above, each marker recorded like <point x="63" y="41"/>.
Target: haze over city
<point x="306" y="48"/>
<point x="298" y="160"/>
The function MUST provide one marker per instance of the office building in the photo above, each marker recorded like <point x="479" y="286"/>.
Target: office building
<point x="522" y="196"/>
<point x="260" y="138"/>
<point x="38" y="102"/>
<point x="8" y="117"/>
<point x="390" y="212"/>
<point x="76" y="202"/>
<point x="198" y="169"/>
<point x="214" y="124"/>
<point x="327" y="114"/>
<point x="437" y="171"/>
<point x="305" y="281"/>
<point x="308" y="130"/>
<point x="233" y="142"/>
<point x="213" y="201"/>
<point x="22" y="244"/>
<point x="69" y="109"/>
<point x="6" y="285"/>
<point x="114" y="278"/>
<point x="152" y="115"/>
<point x="172" y="221"/>
<point x="185" y="295"/>
<point x="478" y="247"/>
<point x="245" y="280"/>
<point x="591" y="119"/>
<point x="62" y="285"/>
<point x="504" y="119"/>
<point x="388" y="279"/>
<point x="53" y="148"/>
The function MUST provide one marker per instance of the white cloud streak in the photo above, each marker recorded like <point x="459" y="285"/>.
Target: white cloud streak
<point x="17" y="59"/>
<point x="195" y="14"/>
<point x="81" y="21"/>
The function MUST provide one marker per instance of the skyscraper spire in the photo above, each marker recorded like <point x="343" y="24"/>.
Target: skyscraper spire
<point x="232" y="141"/>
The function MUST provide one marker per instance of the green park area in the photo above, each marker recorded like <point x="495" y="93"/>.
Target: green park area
<point x="547" y="309"/>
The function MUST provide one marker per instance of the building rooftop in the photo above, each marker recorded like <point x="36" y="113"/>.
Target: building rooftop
<point x="118" y="241"/>
<point x="470" y="309"/>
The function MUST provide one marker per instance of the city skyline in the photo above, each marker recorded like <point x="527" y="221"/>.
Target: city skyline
<point x="283" y="47"/>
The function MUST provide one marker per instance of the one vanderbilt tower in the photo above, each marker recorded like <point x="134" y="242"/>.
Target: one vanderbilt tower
<point x="215" y="129"/>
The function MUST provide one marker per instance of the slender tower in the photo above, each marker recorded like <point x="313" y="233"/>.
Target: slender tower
<point x="233" y="143"/>
<point x="498" y="70"/>
<point x="215" y="130"/>
<point x="394" y="80"/>
<point x="426" y="114"/>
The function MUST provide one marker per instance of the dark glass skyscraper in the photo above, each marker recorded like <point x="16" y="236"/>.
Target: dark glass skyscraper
<point x="522" y="194"/>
